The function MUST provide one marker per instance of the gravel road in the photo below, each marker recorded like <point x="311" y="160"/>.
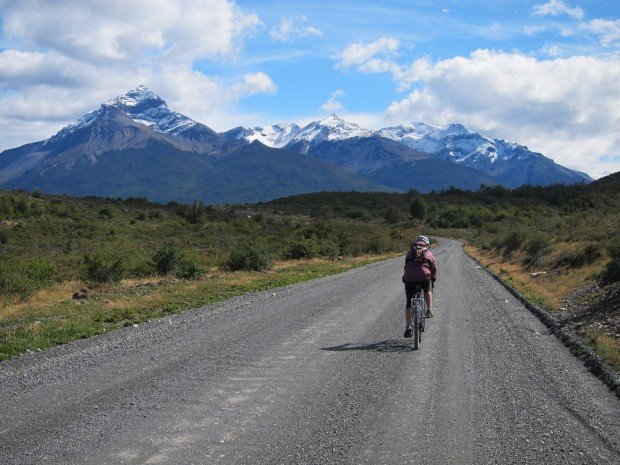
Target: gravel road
<point x="317" y="373"/>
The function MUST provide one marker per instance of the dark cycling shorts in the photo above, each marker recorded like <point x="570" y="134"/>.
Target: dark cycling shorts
<point x="410" y="288"/>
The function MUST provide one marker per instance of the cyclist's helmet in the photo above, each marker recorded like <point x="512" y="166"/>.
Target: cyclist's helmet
<point x="422" y="239"/>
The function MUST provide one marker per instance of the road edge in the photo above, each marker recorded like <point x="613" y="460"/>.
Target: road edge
<point x="590" y="359"/>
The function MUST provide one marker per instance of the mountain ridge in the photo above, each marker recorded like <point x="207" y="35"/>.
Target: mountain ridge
<point x="134" y="145"/>
<point x="505" y="161"/>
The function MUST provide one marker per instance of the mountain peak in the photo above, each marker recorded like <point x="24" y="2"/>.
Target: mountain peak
<point x="332" y="120"/>
<point x="136" y="97"/>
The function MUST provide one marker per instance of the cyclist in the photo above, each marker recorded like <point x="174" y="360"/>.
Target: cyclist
<point x="420" y="269"/>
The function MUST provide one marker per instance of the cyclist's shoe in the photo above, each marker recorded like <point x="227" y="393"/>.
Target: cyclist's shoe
<point x="409" y="331"/>
<point x="429" y="313"/>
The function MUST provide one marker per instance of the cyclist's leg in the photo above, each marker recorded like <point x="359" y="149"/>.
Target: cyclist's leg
<point x="428" y="297"/>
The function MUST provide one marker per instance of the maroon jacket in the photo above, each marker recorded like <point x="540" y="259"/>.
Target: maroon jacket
<point x="419" y="267"/>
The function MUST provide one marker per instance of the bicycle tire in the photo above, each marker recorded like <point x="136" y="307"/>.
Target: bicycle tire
<point x="416" y="326"/>
<point x="422" y="315"/>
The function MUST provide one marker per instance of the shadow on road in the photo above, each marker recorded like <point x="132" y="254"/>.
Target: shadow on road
<point x="383" y="346"/>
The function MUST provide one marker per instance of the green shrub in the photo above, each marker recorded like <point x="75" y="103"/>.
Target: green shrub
<point x="418" y="209"/>
<point x="249" y="258"/>
<point x="103" y="266"/>
<point x="511" y="242"/>
<point x="189" y="270"/>
<point x="304" y="248"/>
<point x="329" y="249"/>
<point x="391" y="215"/>
<point x="106" y="213"/>
<point x="612" y="270"/>
<point x="4" y="236"/>
<point x="578" y="257"/>
<point x="25" y="277"/>
<point x="167" y="258"/>
<point x="142" y="269"/>
<point x="537" y="243"/>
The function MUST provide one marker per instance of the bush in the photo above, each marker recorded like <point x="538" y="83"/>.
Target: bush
<point x="391" y="215"/>
<point x="142" y="269"/>
<point x="578" y="257"/>
<point x="329" y="249"/>
<point x="189" y="270"/>
<point x="102" y="267"/>
<point x="537" y="243"/>
<point x="304" y="248"/>
<point x="612" y="270"/>
<point x="167" y="258"/>
<point x="249" y="258"/>
<point x="418" y="209"/>
<point x="512" y="241"/>
<point x="25" y="277"/>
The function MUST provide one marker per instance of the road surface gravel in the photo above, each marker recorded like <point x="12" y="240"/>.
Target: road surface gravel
<point x="317" y="373"/>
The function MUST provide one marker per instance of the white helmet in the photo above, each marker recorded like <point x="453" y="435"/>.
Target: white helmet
<point x="422" y="239"/>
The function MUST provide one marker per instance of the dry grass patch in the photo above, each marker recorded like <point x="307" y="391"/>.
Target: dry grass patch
<point x="545" y="286"/>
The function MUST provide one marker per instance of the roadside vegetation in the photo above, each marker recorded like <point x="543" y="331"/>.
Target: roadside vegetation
<point x="74" y="267"/>
<point x="135" y="260"/>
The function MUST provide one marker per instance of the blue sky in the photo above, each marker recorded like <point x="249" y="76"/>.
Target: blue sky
<point x="543" y="73"/>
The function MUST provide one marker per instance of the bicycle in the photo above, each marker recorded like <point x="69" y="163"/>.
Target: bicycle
<point x="418" y="308"/>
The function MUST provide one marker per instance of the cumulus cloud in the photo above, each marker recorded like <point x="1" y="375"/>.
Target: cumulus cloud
<point x="567" y="108"/>
<point x="373" y="55"/>
<point x="332" y="105"/>
<point x="557" y="7"/>
<point x="293" y="27"/>
<point x="117" y="30"/>
<point x="258" y="83"/>
<point x="61" y="59"/>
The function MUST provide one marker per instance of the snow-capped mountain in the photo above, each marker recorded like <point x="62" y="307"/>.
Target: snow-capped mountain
<point x="142" y="106"/>
<point x="455" y="143"/>
<point x="276" y="136"/>
<point x="300" y="139"/>
<point x="146" y="110"/>
<point x="509" y="163"/>
<point x="135" y="146"/>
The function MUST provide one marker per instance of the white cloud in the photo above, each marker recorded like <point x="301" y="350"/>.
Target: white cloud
<point x="360" y="54"/>
<point x="551" y="50"/>
<point x="568" y="109"/>
<point x="291" y="28"/>
<point x="62" y="59"/>
<point x="607" y="30"/>
<point x="555" y="8"/>
<point x="332" y="105"/>
<point x="258" y="83"/>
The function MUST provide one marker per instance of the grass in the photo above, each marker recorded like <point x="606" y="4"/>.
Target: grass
<point x="548" y="290"/>
<point x="51" y="317"/>
<point x="609" y="349"/>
